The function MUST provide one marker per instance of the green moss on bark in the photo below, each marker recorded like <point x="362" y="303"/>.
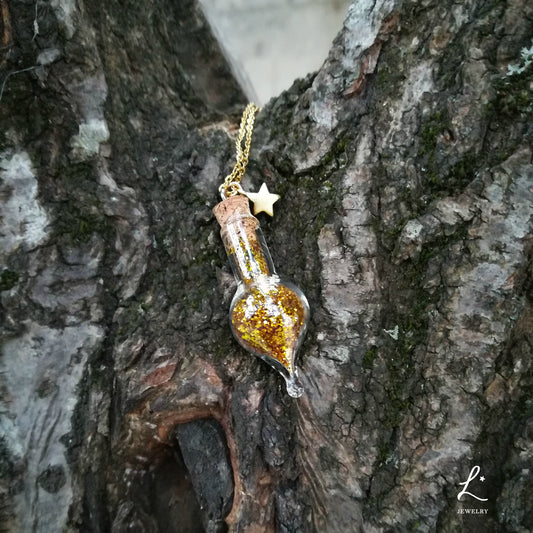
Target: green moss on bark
<point x="8" y="279"/>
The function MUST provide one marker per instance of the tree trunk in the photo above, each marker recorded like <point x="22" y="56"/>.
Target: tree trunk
<point x="406" y="174"/>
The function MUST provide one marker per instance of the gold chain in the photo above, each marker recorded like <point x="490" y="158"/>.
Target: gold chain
<point x="231" y="185"/>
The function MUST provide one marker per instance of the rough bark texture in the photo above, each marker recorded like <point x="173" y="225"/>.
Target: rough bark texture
<point x="406" y="174"/>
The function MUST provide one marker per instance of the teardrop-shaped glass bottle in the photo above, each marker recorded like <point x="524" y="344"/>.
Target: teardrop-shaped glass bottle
<point x="268" y="315"/>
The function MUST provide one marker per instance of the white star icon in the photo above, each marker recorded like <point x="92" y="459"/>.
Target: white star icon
<point x="482" y="478"/>
<point x="263" y="200"/>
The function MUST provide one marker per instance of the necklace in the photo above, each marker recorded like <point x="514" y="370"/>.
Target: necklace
<point x="268" y="315"/>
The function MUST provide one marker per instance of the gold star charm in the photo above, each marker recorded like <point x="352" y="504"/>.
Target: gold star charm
<point x="263" y="200"/>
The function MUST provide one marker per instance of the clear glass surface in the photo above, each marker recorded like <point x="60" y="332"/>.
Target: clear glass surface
<point x="268" y="315"/>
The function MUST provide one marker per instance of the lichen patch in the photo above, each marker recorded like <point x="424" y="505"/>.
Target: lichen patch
<point x="87" y="143"/>
<point x="24" y="221"/>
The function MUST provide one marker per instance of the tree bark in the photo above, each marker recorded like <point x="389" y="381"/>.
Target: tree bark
<point x="406" y="174"/>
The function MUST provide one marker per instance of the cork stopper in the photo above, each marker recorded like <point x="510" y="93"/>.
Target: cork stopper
<point x="233" y="205"/>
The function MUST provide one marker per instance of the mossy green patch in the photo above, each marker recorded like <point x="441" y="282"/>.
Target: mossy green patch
<point x="7" y="466"/>
<point x="317" y="189"/>
<point x="323" y="181"/>
<point x="434" y="126"/>
<point x="390" y="76"/>
<point x="8" y="279"/>
<point x="336" y="154"/>
<point x="132" y="317"/>
<point x="80" y="226"/>
<point x="384" y="452"/>
<point x="440" y="179"/>
<point x="412" y="325"/>
<point x="514" y="95"/>
<point x="462" y="173"/>
<point x="369" y="356"/>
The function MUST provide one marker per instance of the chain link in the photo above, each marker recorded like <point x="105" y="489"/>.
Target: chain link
<point x="232" y="183"/>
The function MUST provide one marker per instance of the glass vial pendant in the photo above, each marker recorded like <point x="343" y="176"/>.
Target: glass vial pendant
<point x="268" y="315"/>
